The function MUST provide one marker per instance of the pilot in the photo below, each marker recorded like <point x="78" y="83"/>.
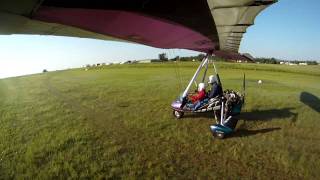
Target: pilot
<point x="199" y="96"/>
<point x="216" y="88"/>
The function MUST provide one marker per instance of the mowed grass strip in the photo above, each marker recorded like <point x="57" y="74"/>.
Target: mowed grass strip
<point x="116" y="122"/>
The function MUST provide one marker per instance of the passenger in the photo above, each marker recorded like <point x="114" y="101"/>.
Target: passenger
<point x="216" y="88"/>
<point x="197" y="98"/>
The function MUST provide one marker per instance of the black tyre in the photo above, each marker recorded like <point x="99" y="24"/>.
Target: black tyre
<point x="178" y="114"/>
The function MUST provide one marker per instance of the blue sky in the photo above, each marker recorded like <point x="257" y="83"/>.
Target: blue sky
<point x="289" y="29"/>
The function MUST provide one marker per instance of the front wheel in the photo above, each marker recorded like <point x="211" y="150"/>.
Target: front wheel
<point x="178" y="114"/>
<point x="218" y="135"/>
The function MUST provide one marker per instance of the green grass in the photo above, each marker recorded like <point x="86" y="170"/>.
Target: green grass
<point x="116" y="122"/>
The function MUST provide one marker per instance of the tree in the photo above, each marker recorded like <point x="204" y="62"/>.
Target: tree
<point x="312" y="63"/>
<point x="163" y="57"/>
<point x="175" y="58"/>
<point x="201" y="56"/>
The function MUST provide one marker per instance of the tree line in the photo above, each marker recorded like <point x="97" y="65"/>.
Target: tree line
<point x="277" y="61"/>
<point x="162" y="57"/>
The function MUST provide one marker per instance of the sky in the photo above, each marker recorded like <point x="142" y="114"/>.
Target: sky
<point x="288" y="30"/>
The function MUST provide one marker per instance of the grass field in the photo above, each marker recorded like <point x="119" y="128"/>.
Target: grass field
<point x="116" y="122"/>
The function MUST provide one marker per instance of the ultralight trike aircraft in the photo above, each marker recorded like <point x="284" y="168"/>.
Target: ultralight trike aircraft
<point x="224" y="107"/>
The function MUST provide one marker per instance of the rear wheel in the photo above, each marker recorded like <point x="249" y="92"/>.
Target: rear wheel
<point x="178" y="114"/>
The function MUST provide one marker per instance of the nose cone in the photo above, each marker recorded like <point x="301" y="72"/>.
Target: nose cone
<point x="176" y="104"/>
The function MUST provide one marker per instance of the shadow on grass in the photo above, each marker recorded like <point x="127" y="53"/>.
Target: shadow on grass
<point x="310" y="100"/>
<point x="263" y="115"/>
<point x="208" y="115"/>
<point x="246" y="132"/>
<point x="254" y="115"/>
<point x="268" y="115"/>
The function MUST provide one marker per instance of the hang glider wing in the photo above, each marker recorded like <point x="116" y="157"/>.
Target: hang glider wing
<point x="200" y="25"/>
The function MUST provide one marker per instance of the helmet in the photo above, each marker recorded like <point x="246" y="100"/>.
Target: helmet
<point x="201" y="86"/>
<point x="212" y="79"/>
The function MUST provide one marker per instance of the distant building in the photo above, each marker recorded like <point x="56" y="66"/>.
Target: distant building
<point x="248" y="57"/>
<point x="145" y="61"/>
<point x="289" y="63"/>
<point x="130" y="62"/>
<point x="303" y="64"/>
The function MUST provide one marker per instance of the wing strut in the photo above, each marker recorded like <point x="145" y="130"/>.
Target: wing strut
<point x="203" y="63"/>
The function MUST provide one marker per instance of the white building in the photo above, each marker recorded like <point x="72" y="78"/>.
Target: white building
<point x="145" y="61"/>
<point x="303" y="64"/>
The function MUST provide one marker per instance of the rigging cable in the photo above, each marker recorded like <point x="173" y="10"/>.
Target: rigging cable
<point x="176" y="68"/>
